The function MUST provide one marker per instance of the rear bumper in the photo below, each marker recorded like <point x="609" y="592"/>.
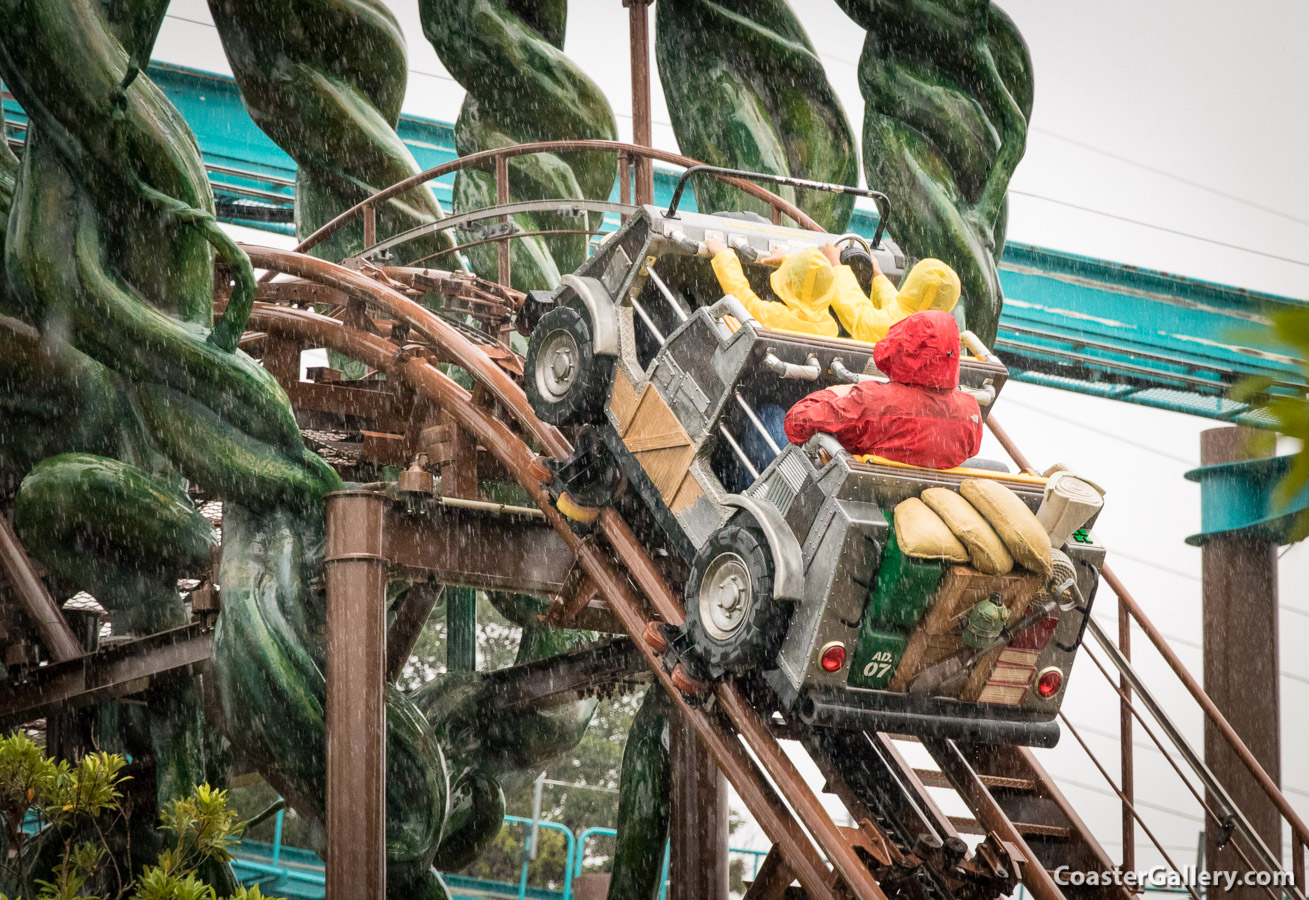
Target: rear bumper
<point x="920" y="716"/>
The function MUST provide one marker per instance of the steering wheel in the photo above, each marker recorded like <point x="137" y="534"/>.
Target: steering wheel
<point x="851" y="237"/>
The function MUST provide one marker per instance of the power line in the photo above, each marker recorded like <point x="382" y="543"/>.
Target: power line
<point x="1146" y="803"/>
<point x="191" y="21"/>
<point x="1190" y="576"/>
<point x="1236" y="198"/>
<point x="1081" y="424"/>
<point x="1171" y="638"/>
<point x="1154" y="565"/>
<point x="1163" y="228"/>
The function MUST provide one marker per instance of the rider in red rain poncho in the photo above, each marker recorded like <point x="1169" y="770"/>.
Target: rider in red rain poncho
<point x="918" y="418"/>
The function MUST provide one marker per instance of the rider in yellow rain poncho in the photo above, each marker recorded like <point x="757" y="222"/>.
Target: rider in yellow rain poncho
<point x="930" y="284"/>
<point x="805" y="283"/>
<point x="810" y="281"/>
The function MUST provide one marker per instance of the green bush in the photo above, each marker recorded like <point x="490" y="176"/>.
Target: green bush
<point x="62" y="803"/>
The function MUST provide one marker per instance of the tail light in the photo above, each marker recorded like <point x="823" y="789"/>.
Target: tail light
<point x="832" y="657"/>
<point x="1049" y="681"/>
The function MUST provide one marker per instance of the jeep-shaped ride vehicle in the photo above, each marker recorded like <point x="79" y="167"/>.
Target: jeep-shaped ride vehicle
<point x="793" y="574"/>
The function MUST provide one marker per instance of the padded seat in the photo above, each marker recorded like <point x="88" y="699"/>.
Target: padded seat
<point x="964" y="471"/>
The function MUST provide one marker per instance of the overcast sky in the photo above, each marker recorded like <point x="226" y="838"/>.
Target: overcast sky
<point x="1188" y="115"/>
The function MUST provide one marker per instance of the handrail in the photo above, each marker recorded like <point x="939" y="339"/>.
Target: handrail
<point x="570" y="843"/>
<point x="1211" y="711"/>
<point x="883" y="202"/>
<point x="485" y="156"/>
<point x="610" y="832"/>
<point x="1226" y="807"/>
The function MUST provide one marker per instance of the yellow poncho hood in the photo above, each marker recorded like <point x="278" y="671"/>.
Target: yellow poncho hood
<point x="930" y="284"/>
<point x="805" y="282"/>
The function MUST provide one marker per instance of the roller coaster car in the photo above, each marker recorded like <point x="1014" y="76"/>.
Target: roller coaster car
<point x="795" y="575"/>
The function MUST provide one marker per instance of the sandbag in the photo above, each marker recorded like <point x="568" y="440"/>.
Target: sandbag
<point x="922" y="534"/>
<point x="1017" y="525"/>
<point x="986" y="552"/>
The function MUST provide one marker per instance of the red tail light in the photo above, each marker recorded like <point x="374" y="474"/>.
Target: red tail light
<point x="1049" y="681"/>
<point x="833" y="657"/>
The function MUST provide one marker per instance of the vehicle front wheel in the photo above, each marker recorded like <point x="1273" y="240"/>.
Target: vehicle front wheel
<point x="731" y="614"/>
<point x="565" y="381"/>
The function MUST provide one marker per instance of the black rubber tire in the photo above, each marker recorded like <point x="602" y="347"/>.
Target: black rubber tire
<point x="584" y="397"/>
<point x="757" y="636"/>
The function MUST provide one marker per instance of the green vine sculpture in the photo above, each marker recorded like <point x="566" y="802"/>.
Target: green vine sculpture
<point x="122" y="391"/>
<point x="508" y="55"/>
<point x="325" y="79"/>
<point x="745" y="89"/>
<point x="109" y="260"/>
<point x="643" y="802"/>
<point x="948" y="86"/>
<point x="8" y="175"/>
<point x="124" y="323"/>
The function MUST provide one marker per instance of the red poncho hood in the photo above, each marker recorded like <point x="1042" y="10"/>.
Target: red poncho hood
<point x="922" y="349"/>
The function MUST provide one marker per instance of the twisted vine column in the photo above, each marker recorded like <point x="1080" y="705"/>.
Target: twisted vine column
<point x="508" y="55"/>
<point x="948" y="86"/>
<point x="109" y="261"/>
<point x="745" y="89"/>
<point x="8" y="175"/>
<point x="325" y="80"/>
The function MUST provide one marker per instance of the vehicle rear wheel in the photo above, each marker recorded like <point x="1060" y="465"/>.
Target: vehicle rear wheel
<point x="565" y="381"/>
<point x="731" y="613"/>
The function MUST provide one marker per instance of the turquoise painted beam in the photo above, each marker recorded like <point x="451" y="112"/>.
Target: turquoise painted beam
<point x="1237" y="499"/>
<point x="1070" y="322"/>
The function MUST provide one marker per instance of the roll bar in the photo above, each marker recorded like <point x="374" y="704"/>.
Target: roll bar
<point x="883" y="202"/>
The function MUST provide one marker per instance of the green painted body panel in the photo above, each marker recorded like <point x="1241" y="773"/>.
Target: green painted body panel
<point x="876" y="658"/>
<point x="904" y="585"/>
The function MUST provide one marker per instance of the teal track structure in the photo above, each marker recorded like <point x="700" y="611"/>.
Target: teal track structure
<point x="1069" y="322"/>
<point x="1239" y="499"/>
<point x="283" y="871"/>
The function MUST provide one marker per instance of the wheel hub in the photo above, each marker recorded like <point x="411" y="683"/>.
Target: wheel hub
<point x="557" y="369"/>
<point x="725" y="593"/>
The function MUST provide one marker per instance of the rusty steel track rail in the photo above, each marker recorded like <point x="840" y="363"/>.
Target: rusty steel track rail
<point x="56" y="634"/>
<point x="769" y="806"/>
<point x="366" y="210"/>
<point x="113" y="671"/>
<point x="735" y="719"/>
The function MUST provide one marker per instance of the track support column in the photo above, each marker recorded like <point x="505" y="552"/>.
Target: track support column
<point x="698" y="821"/>
<point x="1241" y="662"/>
<point x="355" y="567"/>
<point x="642" y="132"/>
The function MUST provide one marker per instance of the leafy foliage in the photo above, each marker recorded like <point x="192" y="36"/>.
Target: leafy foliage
<point x="46" y="801"/>
<point x="1290" y="412"/>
